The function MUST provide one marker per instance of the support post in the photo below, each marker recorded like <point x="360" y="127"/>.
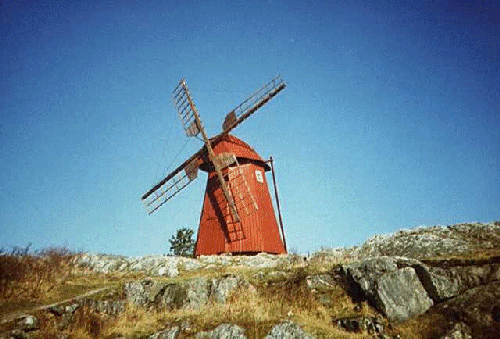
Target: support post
<point x="277" y="202"/>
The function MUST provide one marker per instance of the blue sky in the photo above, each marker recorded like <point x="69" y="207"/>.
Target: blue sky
<point x="390" y="118"/>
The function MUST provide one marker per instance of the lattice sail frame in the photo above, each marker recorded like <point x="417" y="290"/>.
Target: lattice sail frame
<point x="255" y="101"/>
<point x="171" y="187"/>
<point x="186" y="109"/>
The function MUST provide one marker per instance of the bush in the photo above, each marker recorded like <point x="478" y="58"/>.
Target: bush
<point x="182" y="243"/>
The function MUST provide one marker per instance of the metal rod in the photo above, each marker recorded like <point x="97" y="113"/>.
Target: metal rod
<point x="277" y="202"/>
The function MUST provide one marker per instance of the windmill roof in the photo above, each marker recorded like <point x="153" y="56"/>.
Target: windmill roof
<point x="231" y="144"/>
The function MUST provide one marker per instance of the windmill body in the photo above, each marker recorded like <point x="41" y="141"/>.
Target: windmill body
<point x="257" y="230"/>
<point x="238" y="215"/>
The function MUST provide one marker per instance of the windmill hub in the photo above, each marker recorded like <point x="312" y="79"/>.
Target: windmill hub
<point x="237" y="215"/>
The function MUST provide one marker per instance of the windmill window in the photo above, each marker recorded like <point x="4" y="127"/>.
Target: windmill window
<point x="258" y="175"/>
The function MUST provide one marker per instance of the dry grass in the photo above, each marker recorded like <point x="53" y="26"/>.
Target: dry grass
<point x="28" y="280"/>
<point x="84" y="324"/>
<point x="25" y="276"/>
<point x="255" y="310"/>
<point x="32" y="279"/>
<point x="427" y="326"/>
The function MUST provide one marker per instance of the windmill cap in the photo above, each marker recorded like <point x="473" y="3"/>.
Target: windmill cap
<point x="243" y="152"/>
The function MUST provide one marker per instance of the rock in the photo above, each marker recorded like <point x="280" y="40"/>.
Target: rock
<point x="71" y="308"/>
<point x="320" y="282"/>
<point x="439" y="283"/>
<point x="442" y="284"/>
<point x="372" y="325"/>
<point x="261" y="260"/>
<point x="57" y="310"/>
<point x="218" y="261"/>
<point x="321" y="285"/>
<point x="189" y="294"/>
<point x="224" y="331"/>
<point x="401" y="295"/>
<point x="459" y="331"/>
<point x="478" y="307"/>
<point x="425" y="242"/>
<point x="288" y="330"/>
<point x="170" y="333"/>
<point x="109" y="307"/>
<point x="221" y="288"/>
<point x="28" y="323"/>
<point x="174" y="296"/>
<point x="145" y="292"/>
<point x="390" y="284"/>
<point x="197" y="293"/>
<point x="154" y="265"/>
<point x="170" y="270"/>
<point x="191" y="264"/>
<point x="417" y="243"/>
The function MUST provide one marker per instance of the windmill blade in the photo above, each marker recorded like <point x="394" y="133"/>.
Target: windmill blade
<point x="186" y="109"/>
<point x="190" y="118"/>
<point x="255" y="101"/>
<point x="173" y="183"/>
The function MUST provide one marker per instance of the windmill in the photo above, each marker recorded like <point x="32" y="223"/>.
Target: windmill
<point x="237" y="215"/>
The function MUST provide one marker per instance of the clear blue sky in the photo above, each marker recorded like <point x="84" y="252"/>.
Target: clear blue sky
<point x="391" y="116"/>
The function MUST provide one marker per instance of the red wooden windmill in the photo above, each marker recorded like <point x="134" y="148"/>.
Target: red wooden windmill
<point x="238" y="215"/>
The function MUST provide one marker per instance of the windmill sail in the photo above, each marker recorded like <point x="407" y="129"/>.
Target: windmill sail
<point x="191" y="121"/>
<point x="255" y="101"/>
<point x="186" y="109"/>
<point x="173" y="183"/>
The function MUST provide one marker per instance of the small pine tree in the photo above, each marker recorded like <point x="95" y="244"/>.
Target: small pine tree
<point x="182" y="243"/>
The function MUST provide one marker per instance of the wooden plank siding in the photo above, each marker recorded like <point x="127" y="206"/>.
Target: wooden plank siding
<point x="258" y="229"/>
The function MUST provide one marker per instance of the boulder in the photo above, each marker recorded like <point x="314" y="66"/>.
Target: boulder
<point x="400" y="295"/>
<point x="28" y="323"/>
<point x="478" y="308"/>
<point x="189" y="294"/>
<point x="261" y="260"/>
<point x="224" y="331"/>
<point x="107" y="306"/>
<point x="174" y="296"/>
<point x="170" y="333"/>
<point x="402" y="287"/>
<point x="197" y="293"/>
<point x="145" y="292"/>
<point x="191" y="264"/>
<point x="288" y="330"/>
<point x="446" y="283"/>
<point x="390" y="284"/>
<point x="221" y="288"/>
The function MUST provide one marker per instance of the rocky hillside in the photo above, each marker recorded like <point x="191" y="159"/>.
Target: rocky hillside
<point x="426" y="282"/>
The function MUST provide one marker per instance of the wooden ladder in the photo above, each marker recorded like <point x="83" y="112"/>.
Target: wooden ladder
<point x="243" y="198"/>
